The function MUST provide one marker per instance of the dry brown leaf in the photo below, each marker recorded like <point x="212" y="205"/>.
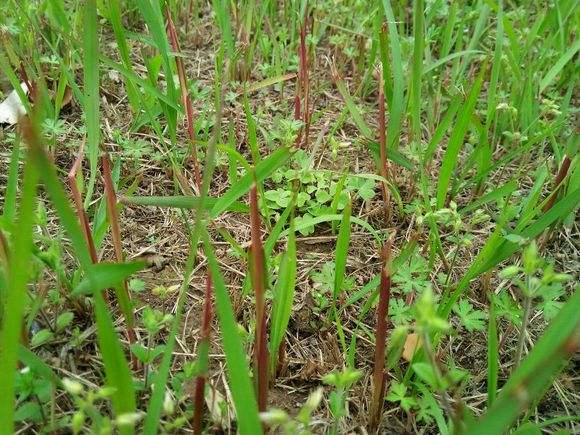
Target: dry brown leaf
<point x="412" y="343"/>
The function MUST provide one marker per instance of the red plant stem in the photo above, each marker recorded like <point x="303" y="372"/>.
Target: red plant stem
<point x="379" y="375"/>
<point x="80" y="211"/>
<point x="203" y="348"/>
<point x="559" y="178"/>
<point x="111" y="199"/>
<point x="259" y="282"/>
<point x="384" y="170"/>
<point x="185" y="98"/>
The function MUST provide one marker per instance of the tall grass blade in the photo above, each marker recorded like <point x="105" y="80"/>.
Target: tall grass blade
<point x="121" y="38"/>
<point x="91" y="91"/>
<point x="492" y="352"/>
<point x="117" y="370"/>
<point x="17" y="279"/>
<point x="397" y="103"/>
<point x="9" y="206"/>
<point x="419" y="47"/>
<point x="341" y="251"/>
<point x="456" y="140"/>
<point x="559" y="65"/>
<point x="530" y="381"/>
<point x="239" y="380"/>
<point x="263" y="170"/>
<point x="283" y="297"/>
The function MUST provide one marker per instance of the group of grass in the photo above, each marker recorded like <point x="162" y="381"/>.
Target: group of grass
<point x="470" y="100"/>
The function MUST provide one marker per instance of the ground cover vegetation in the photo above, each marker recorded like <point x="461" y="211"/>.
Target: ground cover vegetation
<point x="289" y="216"/>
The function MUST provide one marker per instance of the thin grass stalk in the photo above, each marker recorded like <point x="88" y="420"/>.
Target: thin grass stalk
<point x="298" y="116"/>
<point x="305" y="84"/>
<point x="185" y="98"/>
<point x="384" y="169"/>
<point x="259" y="283"/>
<point x="379" y="374"/>
<point x="111" y="199"/>
<point x="203" y="355"/>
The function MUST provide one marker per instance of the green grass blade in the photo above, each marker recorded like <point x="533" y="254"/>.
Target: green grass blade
<point x="182" y="201"/>
<point x="418" y="49"/>
<point x="492" y="352"/>
<point x="17" y="279"/>
<point x="440" y="62"/>
<point x="535" y="374"/>
<point x="331" y="218"/>
<point x="341" y="251"/>
<point x="239" y="379"/>
<point x="353" y="109"/>
<point x="107" y="275"/>
<point x="393" y="155"/>
<point x="119" y="31"/>
<point x="456" y="140"/>
<point x="30" y="359"/>
<point x="441" y="129"/>
<point x="397" y="103"/>
<point x="560" y="210"/>
<point x="222" y="12"/>
<point x="494" y="195"/>
<point x="559" y="65"/>
<point x="151" y="11"/>
<point x="117" y="370"/>
<point x="145" y="84"/>
<point x="263" y="170"/>
<point x="9" y="207"/>
<point x="91" y="92"/>
<point x="283" y="296"/>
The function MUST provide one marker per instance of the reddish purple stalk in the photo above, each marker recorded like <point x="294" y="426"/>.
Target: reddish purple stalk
<point x="111" y="199"/>
<point x="185" y="98"/>
<point x="203" y="355"/>
<point x="259" y="283"/>
<point x="379" y="374"/>
<point x="80" y="211"/>
<point x="302" y="98"/>
<point x="559" y="178"/>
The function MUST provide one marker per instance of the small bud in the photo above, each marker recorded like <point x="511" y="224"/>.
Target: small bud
<point x="509" y="272"/>
<point x="72" y="387"/>
<point x="168" y="404"/>
<point x="77" y="421"/>
<point x="274" y="417"/>
<point x="128" y="419"/>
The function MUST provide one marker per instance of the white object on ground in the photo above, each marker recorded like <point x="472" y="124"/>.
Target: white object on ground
<point x="11" y="109"/>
